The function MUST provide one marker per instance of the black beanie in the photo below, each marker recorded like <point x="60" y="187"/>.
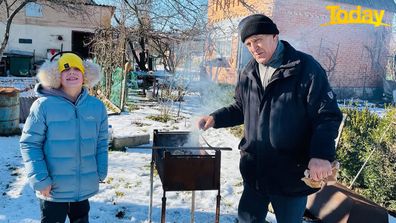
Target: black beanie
<point x="256" y="24"/>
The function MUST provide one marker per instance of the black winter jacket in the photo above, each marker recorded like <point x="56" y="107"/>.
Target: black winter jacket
<point x="293" y="119"/>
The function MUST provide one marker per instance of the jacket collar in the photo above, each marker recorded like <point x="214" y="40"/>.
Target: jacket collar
<point x="42" y="91"/>
<point x="289" y="64"/>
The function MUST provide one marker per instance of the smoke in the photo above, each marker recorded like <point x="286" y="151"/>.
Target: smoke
<point x="191" y="141"/>
<point x="213" y="96"/>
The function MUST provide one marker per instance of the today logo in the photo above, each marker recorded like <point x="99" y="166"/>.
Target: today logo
<point x="356" y="16"/>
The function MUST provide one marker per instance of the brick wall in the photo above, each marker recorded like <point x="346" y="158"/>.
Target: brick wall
<point x="352" y="46"/>
<point x="299" y="22"/>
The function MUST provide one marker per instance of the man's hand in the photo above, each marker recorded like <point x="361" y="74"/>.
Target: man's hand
<point x="205" y="122"/>
<point x="319" y="169"/>
<point x="46" y="191"/>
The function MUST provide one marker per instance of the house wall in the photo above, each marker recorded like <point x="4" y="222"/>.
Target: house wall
<point x="299" y="23"/>
<point x="218" y="10"/>
<point x="221" y="52"/>
<point x="44" y="30"/>
<point x="358" y="45"/>
<point x="43" y="38"/>
<point x="91" y="17"/>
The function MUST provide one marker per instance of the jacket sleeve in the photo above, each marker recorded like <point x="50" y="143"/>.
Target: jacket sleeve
<point x="325" y="116"/>
<point x="32" y="147"/>
<point x="231" y="115"/>
<point x="102" y="147"/>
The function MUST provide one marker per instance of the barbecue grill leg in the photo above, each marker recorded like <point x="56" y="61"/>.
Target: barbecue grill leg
<point x="192" y="206"/>
<point x="151" y="190"/>
<point x="163" y="211"/>
<point x="218" y="207"/>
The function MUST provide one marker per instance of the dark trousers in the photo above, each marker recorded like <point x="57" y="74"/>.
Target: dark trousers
<point x="54" y="212"/>
<point x="253" y="207"/>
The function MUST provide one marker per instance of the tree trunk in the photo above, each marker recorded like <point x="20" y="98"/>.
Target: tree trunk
<point x="8" y="26"/>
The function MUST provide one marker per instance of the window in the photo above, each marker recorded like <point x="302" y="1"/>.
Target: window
<point x="223" y="47"/>
<point x="27" y="41"/>
<point x="34" y="10"/>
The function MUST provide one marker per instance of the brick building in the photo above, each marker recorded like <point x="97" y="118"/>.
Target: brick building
<point x="354" y="55"/>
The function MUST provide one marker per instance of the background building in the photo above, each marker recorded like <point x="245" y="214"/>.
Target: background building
<point x="355" y="56"/>
<point x="39" y="31"/>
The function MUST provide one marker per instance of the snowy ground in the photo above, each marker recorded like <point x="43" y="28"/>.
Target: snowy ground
<point x="124" y="196"/>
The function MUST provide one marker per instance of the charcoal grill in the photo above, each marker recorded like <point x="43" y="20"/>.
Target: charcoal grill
<point x="195" y="170"/>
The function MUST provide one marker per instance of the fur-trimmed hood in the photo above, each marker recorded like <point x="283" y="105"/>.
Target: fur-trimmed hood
<point x="49" y="75"/>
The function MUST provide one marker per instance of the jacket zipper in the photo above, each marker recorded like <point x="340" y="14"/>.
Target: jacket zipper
<point x="79" y="154"/>
<point x="79" y="147"/>
<point x="79" y="143"/>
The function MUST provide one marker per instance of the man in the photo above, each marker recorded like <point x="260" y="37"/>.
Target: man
<point x="291" y="119"/>
<point x="64" y="140"/>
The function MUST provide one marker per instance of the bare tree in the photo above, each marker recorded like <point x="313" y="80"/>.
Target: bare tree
<point x="108" y="48"/>
<point x="249" y="7"/>
<point x="146" y="29"/>
<point x="156" y="27"/>
<point x="10" y="8"/>
<point x="377" y="52"/>
<point x="220" y="35"/>
<point x="330" y="59"/>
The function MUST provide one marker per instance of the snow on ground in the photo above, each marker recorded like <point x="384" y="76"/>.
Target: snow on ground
<point x="361" y="104"/>
<point x="23" y="84"/>
<point x="124" y="196"/>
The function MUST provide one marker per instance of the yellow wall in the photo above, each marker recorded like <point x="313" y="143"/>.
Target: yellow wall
<point x="219" y="10"/>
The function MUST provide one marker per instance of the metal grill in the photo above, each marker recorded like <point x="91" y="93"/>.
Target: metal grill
<point x="183" y="165"/>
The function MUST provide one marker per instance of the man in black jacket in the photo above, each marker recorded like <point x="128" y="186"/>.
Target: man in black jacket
<point x="291" y="120"/>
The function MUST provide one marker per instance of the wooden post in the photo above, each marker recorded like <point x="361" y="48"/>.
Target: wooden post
<point x="192" y="217"/>
<point x="124" y="87"/>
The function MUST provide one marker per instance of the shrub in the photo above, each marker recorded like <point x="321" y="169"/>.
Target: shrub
<point x="160" y="118"/>
<point x="132" y="107"/>
<point x="356" y="141"/>
<point x="237" y="131"/>
<point x="363" y="132"/>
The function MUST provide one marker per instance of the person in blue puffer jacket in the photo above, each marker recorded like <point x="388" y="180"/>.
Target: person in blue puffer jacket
<point x="64" y="139"/>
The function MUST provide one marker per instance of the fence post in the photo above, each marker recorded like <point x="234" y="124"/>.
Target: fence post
<point x="124" y="87"/>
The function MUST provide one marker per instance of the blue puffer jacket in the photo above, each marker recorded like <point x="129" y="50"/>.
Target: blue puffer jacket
<point x="65" y="145"/>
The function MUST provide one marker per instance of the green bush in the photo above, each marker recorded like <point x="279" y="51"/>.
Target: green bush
<point x="237" y="131"/>
<point x="160" y="118"/>
<point x="364" y="131"/>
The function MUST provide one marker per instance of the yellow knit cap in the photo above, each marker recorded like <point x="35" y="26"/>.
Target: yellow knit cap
<point x="69" y="60"/>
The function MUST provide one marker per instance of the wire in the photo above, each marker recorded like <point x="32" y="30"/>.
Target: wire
<point x="371" y="153"/>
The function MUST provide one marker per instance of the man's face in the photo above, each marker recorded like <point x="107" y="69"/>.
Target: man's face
<point x="72" y="77"/>
<point x="262" y="46"/>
